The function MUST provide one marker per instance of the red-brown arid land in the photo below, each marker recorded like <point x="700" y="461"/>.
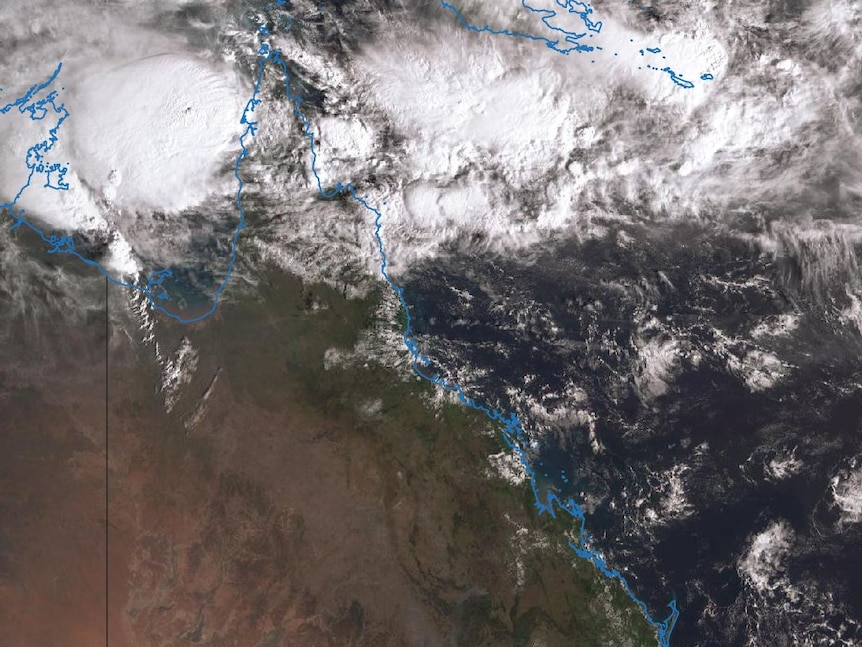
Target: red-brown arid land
<point x="280" y="501"/>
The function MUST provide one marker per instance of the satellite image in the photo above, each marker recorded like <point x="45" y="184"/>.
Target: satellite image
<point x="382" y="323"/>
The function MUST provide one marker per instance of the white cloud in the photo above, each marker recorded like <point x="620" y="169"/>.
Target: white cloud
<point x="846" y="487"/>
<point x="152" y="126"/>
<point x="764" y="563"/>
<point x="150" y="134"/>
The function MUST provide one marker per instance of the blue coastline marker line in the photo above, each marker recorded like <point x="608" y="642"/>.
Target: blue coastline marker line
<point x="513" y="432"/>
<point x="154" y="288"/>
<point x="547" y="15"/>
<point x="39" y="109"/>
<point x="583" y="10"/>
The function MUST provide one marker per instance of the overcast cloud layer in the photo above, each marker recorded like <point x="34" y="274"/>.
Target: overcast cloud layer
<point x="466" y="136"/>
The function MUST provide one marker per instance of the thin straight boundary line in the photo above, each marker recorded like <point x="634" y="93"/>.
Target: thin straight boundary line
<point x="107" y="328"/>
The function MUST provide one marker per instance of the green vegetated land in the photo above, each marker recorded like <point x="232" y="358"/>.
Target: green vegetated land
<point x="390" y="526"/>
